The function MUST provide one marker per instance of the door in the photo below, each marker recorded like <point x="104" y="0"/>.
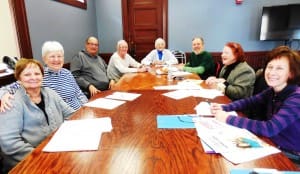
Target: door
<point x="143" y="22"/>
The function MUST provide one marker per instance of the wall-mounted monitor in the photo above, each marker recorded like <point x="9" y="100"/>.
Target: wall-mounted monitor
<point x="280" y="22"/>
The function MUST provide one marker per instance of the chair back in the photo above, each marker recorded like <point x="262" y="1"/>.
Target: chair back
<point x="218" y="67"/>
<point x="180" y="55"/>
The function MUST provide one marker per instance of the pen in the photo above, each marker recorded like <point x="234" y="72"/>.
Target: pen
<point x="207" y="116"/>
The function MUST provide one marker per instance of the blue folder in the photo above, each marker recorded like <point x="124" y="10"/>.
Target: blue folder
<point x="247" y="171"/>
<point x="175" y="121"/>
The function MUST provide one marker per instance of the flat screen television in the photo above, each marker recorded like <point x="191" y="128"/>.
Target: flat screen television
<point x="280" y="22"/>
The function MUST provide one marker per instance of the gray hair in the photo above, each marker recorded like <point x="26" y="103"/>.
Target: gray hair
<point x="121" y="42"/>
<point x="51" y="46"/>
<point x="198" y="37"/>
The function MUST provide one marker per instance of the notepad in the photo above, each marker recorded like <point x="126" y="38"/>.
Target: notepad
<point x="175" y="121"/>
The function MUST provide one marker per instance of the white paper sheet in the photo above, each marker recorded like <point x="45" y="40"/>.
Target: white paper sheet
<point x="79" y="135"/>
<point x="203" y="108"/>
<point x="222" y="138"/>
<point x="178" y="87"/>
<point x="123" y="96"/>
<point x="104" y="103"/>
<point x="179" y="94"/>
<point x="208" y="93"/>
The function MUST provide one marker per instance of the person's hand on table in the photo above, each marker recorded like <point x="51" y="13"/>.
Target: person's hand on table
<point x="216" y="83"/>
<point x="111" y="83"/>
<point x="157" y="62"/>
<point x="221" y="115"/>
<point x="214" y="107"/>
<point x="142" y="69"/>
<point x="180" y="66"/>
<point x="93" y="90"/>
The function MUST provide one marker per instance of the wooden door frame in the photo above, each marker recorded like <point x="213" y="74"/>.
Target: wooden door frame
<point x="125" y="21"/>
<point x="22" y="29"/>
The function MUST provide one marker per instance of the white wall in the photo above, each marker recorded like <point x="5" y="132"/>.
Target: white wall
<point x="8" y="38"/>
<point x="109" y="24"/>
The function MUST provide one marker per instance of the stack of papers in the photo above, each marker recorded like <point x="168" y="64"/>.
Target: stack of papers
<point x="79" y="135"/>
<point x="223" y="139"/>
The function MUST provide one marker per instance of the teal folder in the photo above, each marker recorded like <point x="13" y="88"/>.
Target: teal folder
<point x="175" y="121"/>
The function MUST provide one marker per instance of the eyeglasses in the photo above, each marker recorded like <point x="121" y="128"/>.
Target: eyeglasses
<point x="93" y="44"/>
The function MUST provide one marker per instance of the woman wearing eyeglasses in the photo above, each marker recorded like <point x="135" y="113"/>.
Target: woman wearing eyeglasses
<point x="236" y="77"/>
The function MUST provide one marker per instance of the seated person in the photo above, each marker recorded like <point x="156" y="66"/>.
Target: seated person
<point x="37" y="112"/>
<point x="55" y="77"/>
<point x="236" y="78"/>
<point x="201" y="61"/>
<point x="281" y="101"/>
<point x="160" y="55"/>
<point x="90" y="70"/>
<point x="121" y="62"/>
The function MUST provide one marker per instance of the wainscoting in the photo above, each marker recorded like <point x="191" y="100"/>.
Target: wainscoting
<point x="256" y="59"/>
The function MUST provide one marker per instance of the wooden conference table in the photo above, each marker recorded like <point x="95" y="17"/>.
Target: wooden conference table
<point x="137" y="146"/>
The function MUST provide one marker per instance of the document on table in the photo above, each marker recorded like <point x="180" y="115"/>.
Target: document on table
<point x="208" y="93"/>
<point x="178" y="87"/>
<point x="223" y="139"/>
<point x="180" y="73"/>
<point x="79" y="135"/>
<point x="104" y="103"/>
<point x="178" y="94"/>
<point x="203" y="109"/>
<point x="123" y="96"/>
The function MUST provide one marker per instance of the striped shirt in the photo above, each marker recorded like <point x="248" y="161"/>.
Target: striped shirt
<point x="283" y="123"/>
<point x="63" y="83"/>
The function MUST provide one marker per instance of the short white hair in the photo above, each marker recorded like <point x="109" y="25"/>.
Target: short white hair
<point x="158" y="41"/>
<point x="51" y="46"/>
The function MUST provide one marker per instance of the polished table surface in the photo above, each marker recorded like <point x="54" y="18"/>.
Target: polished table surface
<point x="147" y="80"/>
<point x="137" y="146"/>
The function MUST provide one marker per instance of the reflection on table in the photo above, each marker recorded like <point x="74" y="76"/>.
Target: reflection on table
<point x="136" y="145"/>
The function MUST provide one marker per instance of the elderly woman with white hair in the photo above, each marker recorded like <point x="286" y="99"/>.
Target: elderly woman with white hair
<point x="160" y="55"/>
<point x="121" y="62"/>
<point x="55" y="77"/>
